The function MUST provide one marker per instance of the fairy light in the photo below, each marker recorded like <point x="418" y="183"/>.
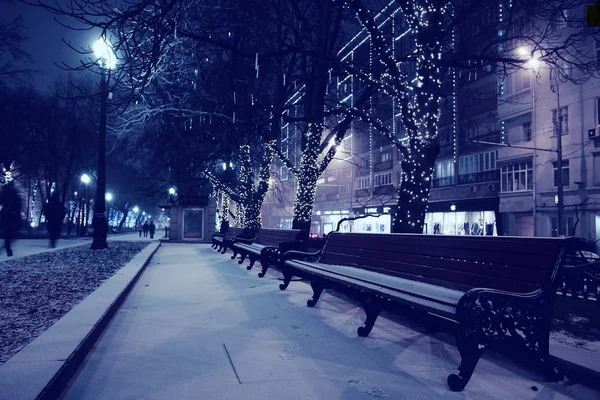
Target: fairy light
<point x="419" y="109"/>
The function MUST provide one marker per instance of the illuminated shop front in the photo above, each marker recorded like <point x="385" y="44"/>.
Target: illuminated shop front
<point x="324" y="222"/>
<point x="372" y="224"/>
<point x="477" y="217"/>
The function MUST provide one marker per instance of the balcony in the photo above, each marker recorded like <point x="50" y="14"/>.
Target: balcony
<point x="478" y="177"/>
<point x="362" y="193"/>
<point x="383" y="190"/>
<point x="382" y="166"/>
<point x="442" y="182"/>
<point x="333" y="196"/>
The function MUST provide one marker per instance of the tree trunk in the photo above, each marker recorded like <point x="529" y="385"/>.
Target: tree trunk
<point x="125" y="213"/>
<point x="304" y="203"/>
<point x="417" y="169"/>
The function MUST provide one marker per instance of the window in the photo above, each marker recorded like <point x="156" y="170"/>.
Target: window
<point x="516" y="177"/>
<point x="386" y="156"/>
<point x="399" y="176"/>
<point x="564" y="124"/>
<point x="598" y="52"/>
<point x="344" y="189"/>
<point x="596" y="169"/>
<point x="383" y="179"/>
<point x="477" y="163"/>
<point x="598" y="111"/>
<point x="362" y="183"/>
<point x="558" y="19"/>
<point x="444" y="168"/>
<point x="526" y="132"/>
<point x="569" y="226"/>
<point x="565" y="173"/>
<point x="517" y="81"/>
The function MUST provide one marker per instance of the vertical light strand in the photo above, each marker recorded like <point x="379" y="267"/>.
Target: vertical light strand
<point x="454" y="102"/>
<point x="371" y="110"/>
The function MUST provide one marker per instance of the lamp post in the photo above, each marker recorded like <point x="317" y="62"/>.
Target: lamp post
<point x="534" y="63"/>
<point x="85" y="179"/>
<point x="107" y="60"/>
<point x="108" y="197"/>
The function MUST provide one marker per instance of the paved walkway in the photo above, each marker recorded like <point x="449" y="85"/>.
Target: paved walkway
<point x="27" y="247"/>
<point x="199" y="326"/>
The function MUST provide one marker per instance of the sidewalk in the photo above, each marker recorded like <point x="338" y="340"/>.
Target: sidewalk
<point x="199" y="326"/>
<point x="27" y="247"/>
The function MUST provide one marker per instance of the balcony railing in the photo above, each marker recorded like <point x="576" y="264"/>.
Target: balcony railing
<point x="442" y="182"/>
<point x="382" y="166"/>
<point x="478" y="177"/>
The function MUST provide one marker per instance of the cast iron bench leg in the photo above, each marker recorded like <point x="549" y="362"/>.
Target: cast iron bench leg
<point x="252" y="261"/>
<point x="287" y="277"/>
<point x="265" y="268"/>
<point x="317" y="287"/>
<point x="372" y="310"/>
<point x="470" y="351"/>
<point x="242" y="257"/>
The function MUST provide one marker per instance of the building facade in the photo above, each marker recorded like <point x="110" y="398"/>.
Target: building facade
<point x="496" y="173"/>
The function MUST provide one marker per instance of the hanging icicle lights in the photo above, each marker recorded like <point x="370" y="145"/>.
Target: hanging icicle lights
<point x="418" y="107"/>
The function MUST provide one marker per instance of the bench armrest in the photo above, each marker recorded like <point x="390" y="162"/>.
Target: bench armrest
<point x="493" y="303"/>
<point x="296" y="245"/>
<point x="219" y="234"/>
<point x="301" y="255"/>
<point x="243" y="240"/>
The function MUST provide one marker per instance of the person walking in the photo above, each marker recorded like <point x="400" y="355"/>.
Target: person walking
<point x="152" y="229"/>
<point x="10" y="214"/>
<point x="55" y="213"/>
<point x="145" y="228"/>
<point x="140" y="229"/>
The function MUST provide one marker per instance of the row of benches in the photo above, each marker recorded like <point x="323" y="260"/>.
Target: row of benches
<point x="492" y="287"/>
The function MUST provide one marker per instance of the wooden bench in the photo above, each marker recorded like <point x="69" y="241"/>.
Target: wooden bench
<point x="265" y="246"/>
<point x="493" y="287"/>
<point x="218" y="239"/>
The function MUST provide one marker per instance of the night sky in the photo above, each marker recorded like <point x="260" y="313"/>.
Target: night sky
<point x="45" y="43"/>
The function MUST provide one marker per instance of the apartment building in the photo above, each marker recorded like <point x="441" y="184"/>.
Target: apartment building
<point x="533" y="108"/>
<point x="497" y="170"/>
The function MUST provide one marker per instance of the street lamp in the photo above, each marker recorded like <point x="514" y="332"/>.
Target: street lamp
<point x="136" y="209"/>
<point x="107" y="60"/>
<point x="85" y="179"/>
<point x="171" y="191"/>
<point x="108" y="197"/>
<point x="534" y="63"/>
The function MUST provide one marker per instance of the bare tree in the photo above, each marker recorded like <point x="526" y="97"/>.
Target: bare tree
<point x="447" y="37"/>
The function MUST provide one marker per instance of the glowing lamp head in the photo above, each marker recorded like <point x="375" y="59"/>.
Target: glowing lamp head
<point x="522" y="51"/>
<point x="108" y="196"/>
<point x="85" y="179"/>
<point x="104" y="53"/>
<point x="136" y="209"/>
<point x="171" y="191"/>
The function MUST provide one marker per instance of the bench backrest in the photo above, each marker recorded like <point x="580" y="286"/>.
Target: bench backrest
<point x="233" y="232"/>
<point x="272" y="237"/>
<point x="516" y="264"/>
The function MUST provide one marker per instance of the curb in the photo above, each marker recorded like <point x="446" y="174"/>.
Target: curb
<point x="43" y="368"/>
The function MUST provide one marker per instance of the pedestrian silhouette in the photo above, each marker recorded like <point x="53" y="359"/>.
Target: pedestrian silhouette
<point x="140" y="229"/>
<point x="10" y="214"/>
<point x="145" y="228"/>
<point x="55" y="213"/>
<point x="152" y="229"/>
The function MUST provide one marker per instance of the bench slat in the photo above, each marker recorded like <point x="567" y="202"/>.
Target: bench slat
<point x="447" y="277"/>
<point x="467" y="248"/>
<point x="397" y="260"/>
<point x="412" y="295"/>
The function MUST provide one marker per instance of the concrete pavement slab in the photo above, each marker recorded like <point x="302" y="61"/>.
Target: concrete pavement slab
<point x="197" y="321"/>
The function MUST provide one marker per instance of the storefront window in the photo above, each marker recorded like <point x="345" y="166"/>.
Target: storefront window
<point x="475" y="223"/>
